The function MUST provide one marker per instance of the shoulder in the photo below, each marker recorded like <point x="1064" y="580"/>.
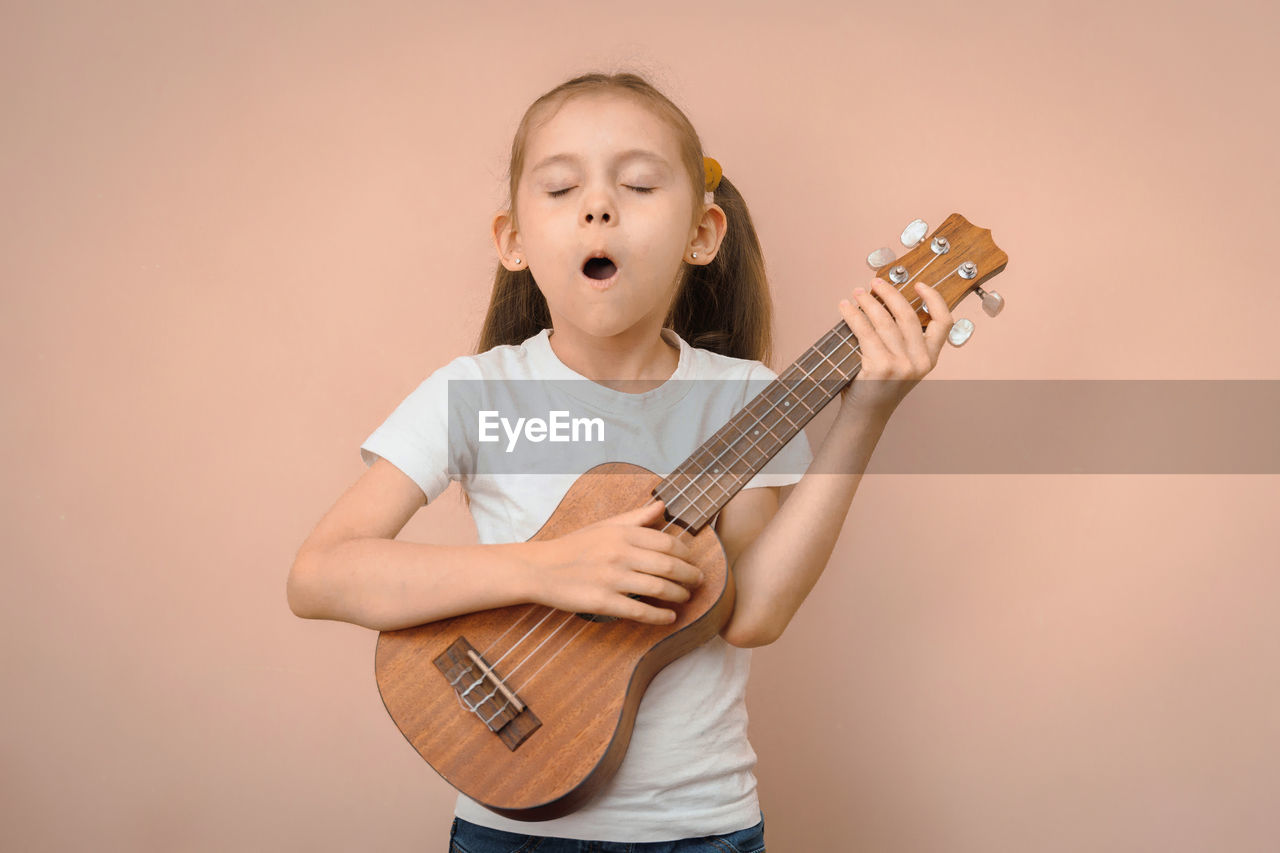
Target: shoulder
<point x="510" y="359"/>
<point x="501" y="362"/>
<point x="712" y="365"/>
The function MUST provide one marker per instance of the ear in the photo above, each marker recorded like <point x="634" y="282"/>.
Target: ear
<point x="507" y="241"/>
<point x="707" y="236"/>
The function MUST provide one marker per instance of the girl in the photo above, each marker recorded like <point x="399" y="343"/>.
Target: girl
<point x="607" y="167"/>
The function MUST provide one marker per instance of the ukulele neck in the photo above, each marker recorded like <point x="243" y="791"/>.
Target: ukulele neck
<point x="701" y="485"/>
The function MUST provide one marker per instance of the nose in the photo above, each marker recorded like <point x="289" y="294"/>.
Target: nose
<point x="597" y="207"/>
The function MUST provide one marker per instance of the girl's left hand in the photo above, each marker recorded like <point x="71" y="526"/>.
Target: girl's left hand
<point x="896" y="354"/>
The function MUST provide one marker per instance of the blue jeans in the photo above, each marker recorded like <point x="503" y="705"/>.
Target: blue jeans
<point x="467" y="837"/>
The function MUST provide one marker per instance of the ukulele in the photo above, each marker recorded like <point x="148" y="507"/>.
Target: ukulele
<point x="538" y="748"/>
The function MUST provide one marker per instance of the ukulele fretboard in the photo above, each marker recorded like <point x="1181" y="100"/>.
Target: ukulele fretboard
<point x="701" y="485"/>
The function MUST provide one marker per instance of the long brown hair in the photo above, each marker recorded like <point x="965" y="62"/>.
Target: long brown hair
<point x="723" y="306"/>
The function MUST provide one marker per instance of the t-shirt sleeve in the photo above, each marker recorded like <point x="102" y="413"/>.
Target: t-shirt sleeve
<point x="789" y="465"/>
<point x="416" y="437"/>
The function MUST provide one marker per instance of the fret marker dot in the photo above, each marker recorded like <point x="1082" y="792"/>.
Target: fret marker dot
<point x="788" y="403"/>
<point x="715" y="470"/>
<point x="757" y="432"/>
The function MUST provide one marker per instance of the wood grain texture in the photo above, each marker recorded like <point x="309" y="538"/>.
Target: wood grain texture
<point x="584" y="701"/>
<point x="586" y="698"/>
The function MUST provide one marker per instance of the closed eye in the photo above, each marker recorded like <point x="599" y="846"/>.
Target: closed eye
<point x="642" y="190"/>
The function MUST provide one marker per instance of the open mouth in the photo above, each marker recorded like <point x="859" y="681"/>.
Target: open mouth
<point x="599" y="269"/>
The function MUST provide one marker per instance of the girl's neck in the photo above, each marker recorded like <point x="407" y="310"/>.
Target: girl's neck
<point x="624" y="363"/>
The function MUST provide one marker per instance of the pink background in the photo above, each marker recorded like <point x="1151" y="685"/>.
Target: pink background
<point x="237" y="234"/>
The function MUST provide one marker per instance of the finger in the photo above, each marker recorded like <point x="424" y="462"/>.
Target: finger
<point x="868" y="338"/>
<point x="895" y="300"/>
<point x="673" y="568"/>
<point x="662" y="564"/>
<point x="914" y="346"/>
<point x="660" y="542"/>
<point x="908" y="325"/>
<point x="641" y="515"/>
<point x="880" y="318"/>
<point x="652" y="586"/>
<point x="868" y="299"/>
<point x="894" y="318"/>
<point x="940" y="320"/>
<point x="638" y="611"/>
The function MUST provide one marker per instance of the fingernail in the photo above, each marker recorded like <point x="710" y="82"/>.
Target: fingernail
<point x="845" y="303"/>
<point x="858" y="290"/>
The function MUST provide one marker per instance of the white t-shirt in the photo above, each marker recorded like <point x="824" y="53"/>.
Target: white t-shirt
<point x="688" y="769"/>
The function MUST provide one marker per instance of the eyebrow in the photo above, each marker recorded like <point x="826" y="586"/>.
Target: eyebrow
<point x="629" y="154"/>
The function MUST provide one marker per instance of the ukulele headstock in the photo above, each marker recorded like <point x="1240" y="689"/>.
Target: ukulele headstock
<point x="956" y="260"/>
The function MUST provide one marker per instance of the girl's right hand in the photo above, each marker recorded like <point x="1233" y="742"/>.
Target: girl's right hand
<point x="596" y="568"/>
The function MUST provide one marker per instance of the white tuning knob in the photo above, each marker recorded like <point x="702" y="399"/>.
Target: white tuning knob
<point x="914" y="233"/>
<point x="992" y="302"/>
<point x="960" y="332"/>
<point x="881" y="257"/>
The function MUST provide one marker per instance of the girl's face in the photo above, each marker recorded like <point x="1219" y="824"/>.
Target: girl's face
<point x="604" y="176"/>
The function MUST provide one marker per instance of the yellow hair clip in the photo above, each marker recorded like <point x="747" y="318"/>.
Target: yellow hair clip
<point x="712" y="173"/>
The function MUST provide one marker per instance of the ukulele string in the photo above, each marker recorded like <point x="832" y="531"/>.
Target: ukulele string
<point x="508" y="631"/>
<point x="835" y="368"/>
<point x="493" y="665"/>
<point x="846" y="334"/>
<point x="585" y="623"/>
<point x="680" y="491"/>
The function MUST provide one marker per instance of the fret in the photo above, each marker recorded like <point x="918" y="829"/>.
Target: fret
<point x="752" y="434"/>
<point x="685" y="505"/>
<point x="727" y="457"/>
<point x="807" y="374"/>
<point x="708" y="479"/>
<point x="785" y="398"/>
<point x="701" y="485"/>
<point x="834" y="366"/>
<point x="719" y="485"/>
<point x="714" y="450"/>
<point x="780" y="405"/>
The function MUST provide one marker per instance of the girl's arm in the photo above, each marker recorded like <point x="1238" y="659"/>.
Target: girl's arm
<point x="352" y="569"/>
<point x="778" y="553"/>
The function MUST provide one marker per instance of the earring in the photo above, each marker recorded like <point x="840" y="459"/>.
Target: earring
<point x="695" y="254"/>
<point x="517" y="260"/>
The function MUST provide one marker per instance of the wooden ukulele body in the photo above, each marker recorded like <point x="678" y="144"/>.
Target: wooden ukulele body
<point x="581" y="705"/>
<point x="556" y="725"/>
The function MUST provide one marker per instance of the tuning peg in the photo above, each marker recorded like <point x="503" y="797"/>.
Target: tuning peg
<point x="992" y="302"/>
<point x="960" y="332"/>
<point x="914" y="233"/>
<point x="881" y="257"/>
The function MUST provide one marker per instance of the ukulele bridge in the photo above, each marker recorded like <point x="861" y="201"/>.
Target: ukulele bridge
<point x="483" y="692"/>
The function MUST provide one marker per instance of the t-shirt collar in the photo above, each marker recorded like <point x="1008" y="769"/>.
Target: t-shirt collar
<point x="547" y="365"/>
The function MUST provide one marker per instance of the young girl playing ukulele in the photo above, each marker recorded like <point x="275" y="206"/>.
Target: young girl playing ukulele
<point x="627" y="261"/>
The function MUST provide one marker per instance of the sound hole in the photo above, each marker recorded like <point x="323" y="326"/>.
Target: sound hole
<point x="596" y="617"/>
